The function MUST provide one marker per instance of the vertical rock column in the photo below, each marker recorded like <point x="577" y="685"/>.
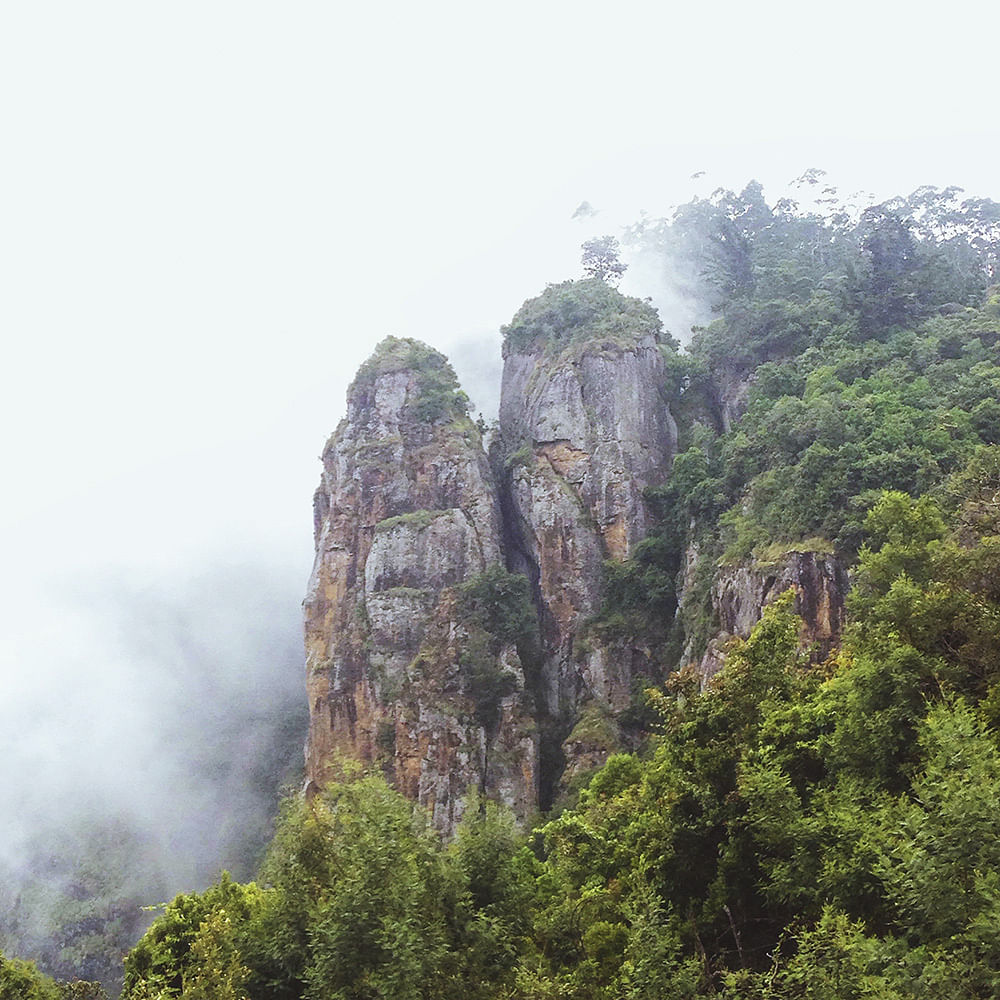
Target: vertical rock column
<point x="584" y="432"/>
<point x="405" y="514"/>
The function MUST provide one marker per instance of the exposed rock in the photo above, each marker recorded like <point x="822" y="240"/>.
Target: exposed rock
<point x="593" y="739"/>
<point x="441" y="746"/>
<point x="740" y="594"/>
<point x="448" y="696"/>
<point x="692" y="556"/>
<point x="585" y="431"/>
<point x="731" y="388"/>
<point x="406" y="511"/>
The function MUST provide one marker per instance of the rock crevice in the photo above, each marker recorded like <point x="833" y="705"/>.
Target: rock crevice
<point x="406" y="513"/>
<point x="411" y="517"/>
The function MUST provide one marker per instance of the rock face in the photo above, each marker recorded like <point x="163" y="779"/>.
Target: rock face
<point x="449" y="633"/>
<point x="585" y="431"/>
<point x="740" y="594"/>
<point x="731" y="386"/>
<point x="405" y="515"/>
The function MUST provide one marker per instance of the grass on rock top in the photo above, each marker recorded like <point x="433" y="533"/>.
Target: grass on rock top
<point x="437" y="396"/>
<point x="577" y="311"/>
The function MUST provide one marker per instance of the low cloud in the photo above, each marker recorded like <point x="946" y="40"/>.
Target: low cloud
<point x="147" y="752"/>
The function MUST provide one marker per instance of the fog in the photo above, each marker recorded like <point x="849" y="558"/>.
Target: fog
<point x="143" y="747"/>
<point x="212" y="212"/>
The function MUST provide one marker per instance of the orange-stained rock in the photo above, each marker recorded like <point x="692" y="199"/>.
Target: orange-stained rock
<point x="405" y="513"/>
<point x="585" y="431"/>
<point x="740" y="593"/>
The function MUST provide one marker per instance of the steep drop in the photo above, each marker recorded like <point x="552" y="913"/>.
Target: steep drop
<point x="584" y="431"/>
<point x="401" y="673"/>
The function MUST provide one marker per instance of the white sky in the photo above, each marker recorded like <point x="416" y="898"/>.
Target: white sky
<point x="211" y="211"/>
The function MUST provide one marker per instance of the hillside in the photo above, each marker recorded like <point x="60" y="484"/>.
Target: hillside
<point x="685" y="681"/>
<point x="650" y="502"/>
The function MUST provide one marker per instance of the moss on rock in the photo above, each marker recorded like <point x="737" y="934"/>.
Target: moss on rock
<point x="578" y="311"/>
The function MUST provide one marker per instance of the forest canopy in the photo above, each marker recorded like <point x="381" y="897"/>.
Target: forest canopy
<point x="799" y="825"/>
<point x="792" y="828"/>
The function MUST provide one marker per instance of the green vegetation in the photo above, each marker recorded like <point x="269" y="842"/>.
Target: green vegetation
<point x="791" y="831"/>
<point x="20" y="980"/>
<point x="436" y="396"/>
<point x="853" y="419"/>
<point x="521" y="456"/>
<point x="190" y="950"/>
<point x="418" y="519"/>
<point x="358" y="904"/>
<point x="496" y="609"/>
<point x="596" y="726"/>
<point x="575" y="311"/>
<point x="776" y="552"/>
<point x="500" y="603"/>
<point x="80" y="908"/>
<point x="867" y="341"/>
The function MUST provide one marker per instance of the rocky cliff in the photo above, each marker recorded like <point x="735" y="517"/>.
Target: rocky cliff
<point x="585" y="431"/>
<point x="740" y="593"/>
<point x="405" y="515"/>
<point x="450" y="620"/>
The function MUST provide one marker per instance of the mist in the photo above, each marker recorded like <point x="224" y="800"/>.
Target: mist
<point x="149" y="754"/>
<point x="672" y="287"/>
<point x="214" y="213"/>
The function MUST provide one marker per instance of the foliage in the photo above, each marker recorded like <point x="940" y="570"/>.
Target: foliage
<point x="179" y="948"/>
<point x="20" y="980"/>
<point x="801" y="830"/>
<point x="575" y="311"/>
<point x="600" y="259"/>
<point x="496" y="609"/>
<point x="826" y="431"/>
<point x="435" y="395"/>
<point x="497" y="877"/>
<point x="80" y="989"/>
<point x="640" y="596"/>
<point x="363" y="898"/>
<point x="500" y="603"/>
<point x="418" y="519"/>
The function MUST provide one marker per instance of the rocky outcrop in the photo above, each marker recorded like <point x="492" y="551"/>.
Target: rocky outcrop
<point x="402" y="671"/>
<point x="584" y="431"/>
<point x="405" y="515"/>
<point x="731" y="385"/>
<point x="450" y="631"/>
<point x="741" y="592"/>
<point x="450" y="621"/>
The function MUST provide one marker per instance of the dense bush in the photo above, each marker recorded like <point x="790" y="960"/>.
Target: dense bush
<point x="573" y="311"/>
<point x="496" y="610"/>
<point x="20" y="980"/>
<point x="436" y="393"/>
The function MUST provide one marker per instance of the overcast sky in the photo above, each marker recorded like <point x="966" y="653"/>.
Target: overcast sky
<point x="212" y="211"/>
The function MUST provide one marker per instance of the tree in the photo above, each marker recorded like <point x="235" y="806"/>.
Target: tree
<point x="20" y="980"/>
<point x="364" y="898"/>
<point x="893" y="257"/>
<point x="190" y="945"/>
<point x="215" y="970"/>
<point x="600" y="259"/>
